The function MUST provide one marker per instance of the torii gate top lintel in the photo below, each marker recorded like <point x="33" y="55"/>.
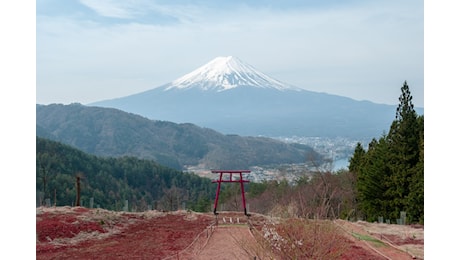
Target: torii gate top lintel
<point x="241" y="181"/>
<point x="230" y="171"/>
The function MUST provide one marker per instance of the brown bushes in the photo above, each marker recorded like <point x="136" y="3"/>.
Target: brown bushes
<point x="306" y="239"/>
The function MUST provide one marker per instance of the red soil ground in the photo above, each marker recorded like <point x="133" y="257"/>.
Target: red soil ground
<point x="80" y="233"/>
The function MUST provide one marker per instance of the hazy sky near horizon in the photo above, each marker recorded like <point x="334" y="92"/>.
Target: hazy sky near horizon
<point x="91" y="50"/>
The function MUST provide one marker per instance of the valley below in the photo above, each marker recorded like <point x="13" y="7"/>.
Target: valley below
<point x="336" y="151"/>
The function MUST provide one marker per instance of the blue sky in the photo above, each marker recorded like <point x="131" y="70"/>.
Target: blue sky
<point x="91" y="50"/>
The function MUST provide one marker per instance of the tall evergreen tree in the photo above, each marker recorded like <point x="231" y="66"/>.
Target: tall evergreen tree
<point x="404" y="144"/>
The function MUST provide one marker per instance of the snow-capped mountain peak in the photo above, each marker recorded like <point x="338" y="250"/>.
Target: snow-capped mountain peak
<point x="223" y="73"/>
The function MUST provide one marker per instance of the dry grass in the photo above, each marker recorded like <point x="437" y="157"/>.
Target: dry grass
<point x="404" y="237"/>
<point x="299" y="239"/>
<point x="311" y="239"/>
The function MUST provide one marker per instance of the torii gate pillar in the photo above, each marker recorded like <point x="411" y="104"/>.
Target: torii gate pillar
<point x="241" y="181"/>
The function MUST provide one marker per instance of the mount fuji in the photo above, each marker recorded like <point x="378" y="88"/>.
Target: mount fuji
<point x="225" y="73"/>
<point x="232" y="97"/>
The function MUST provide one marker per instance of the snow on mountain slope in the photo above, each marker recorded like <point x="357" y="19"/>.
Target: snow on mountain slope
<point x="223" y="73"/>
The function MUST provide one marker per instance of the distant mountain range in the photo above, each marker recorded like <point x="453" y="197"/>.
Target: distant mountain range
<point x="232" y="97"/>
<point x="112" y="132"/>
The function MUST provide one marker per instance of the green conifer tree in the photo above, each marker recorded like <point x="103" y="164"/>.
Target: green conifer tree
<point x="372" y="181"/>
<point x="415" y="198"/>
<point x="404" y="153"/>
<point x="358" y="157"/>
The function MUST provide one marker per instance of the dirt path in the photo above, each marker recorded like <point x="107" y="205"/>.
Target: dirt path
<point x="230" y="242"/>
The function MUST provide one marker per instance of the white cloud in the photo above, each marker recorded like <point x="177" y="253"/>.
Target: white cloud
<point x="110" y="8"/>
<point x="138" y="10"/>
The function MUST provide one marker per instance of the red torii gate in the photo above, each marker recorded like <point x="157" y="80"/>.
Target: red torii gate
<point x="241" y="181"/>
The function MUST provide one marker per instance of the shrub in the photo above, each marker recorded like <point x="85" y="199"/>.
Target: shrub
<point x="308" y="239"/>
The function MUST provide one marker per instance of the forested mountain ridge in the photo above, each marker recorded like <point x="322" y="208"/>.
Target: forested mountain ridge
<point x="112" y="132"/>
<point x="111" y="181"/>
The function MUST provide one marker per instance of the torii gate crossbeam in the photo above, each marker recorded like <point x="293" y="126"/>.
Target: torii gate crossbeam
<point x="241" y="181"/>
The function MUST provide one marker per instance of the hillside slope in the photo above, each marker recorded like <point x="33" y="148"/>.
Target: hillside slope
<point x="112" y="181"/>
<point x="112" y="132"/>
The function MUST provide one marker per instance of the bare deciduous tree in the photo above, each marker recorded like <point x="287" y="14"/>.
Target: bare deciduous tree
<point x="172" y="197"/>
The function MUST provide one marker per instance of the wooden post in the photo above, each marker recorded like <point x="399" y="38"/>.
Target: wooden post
<point x="78" y="192"/>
